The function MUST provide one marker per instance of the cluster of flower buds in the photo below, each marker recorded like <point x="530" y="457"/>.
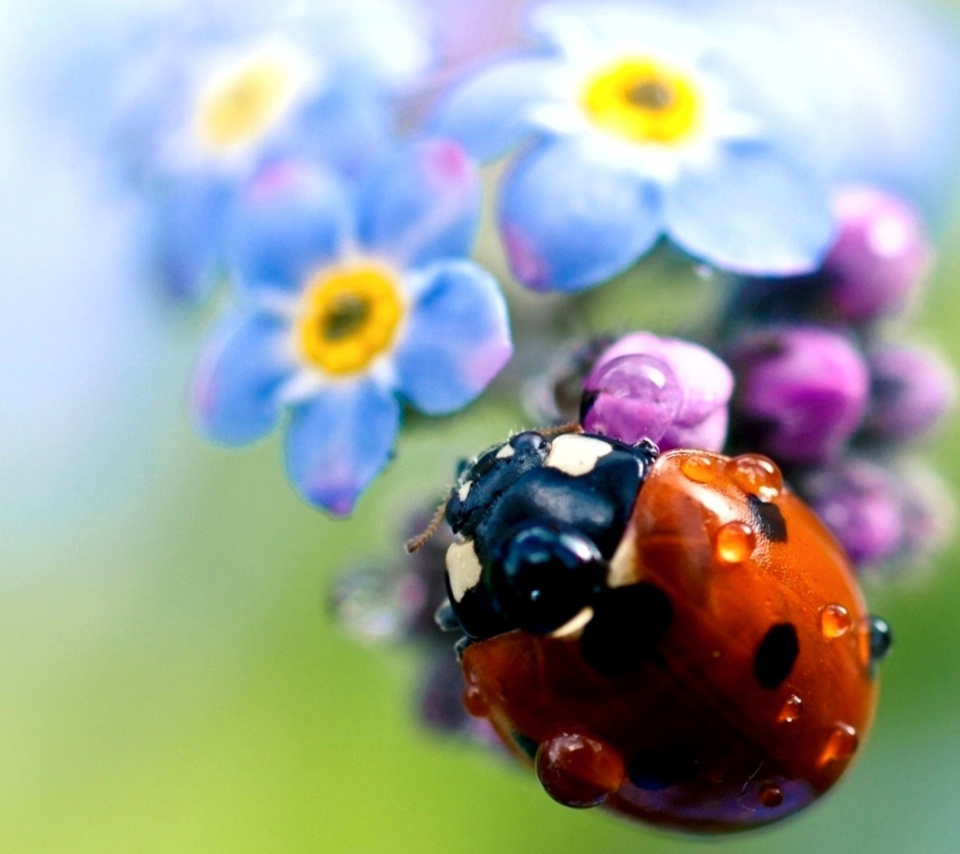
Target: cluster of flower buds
<point x="810" y="376"/>
<point x="825" y="389"/>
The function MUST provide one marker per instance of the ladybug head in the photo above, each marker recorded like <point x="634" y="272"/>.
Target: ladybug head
<point x="482" y="482"/>
<point x="538" y="521"/>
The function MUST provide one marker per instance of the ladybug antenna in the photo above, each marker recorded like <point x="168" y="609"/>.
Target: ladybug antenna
<point x="416" y="543"/>
<point x="561" y="429"/>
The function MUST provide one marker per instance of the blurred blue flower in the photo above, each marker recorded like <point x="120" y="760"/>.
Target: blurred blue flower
<point x="248" y="90"/>
<point x="638" y="125"/>
<point x="354" y="296"/>
<point x="870" y="80"/>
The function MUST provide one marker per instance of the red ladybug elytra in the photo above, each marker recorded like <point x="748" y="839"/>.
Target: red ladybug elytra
<point x="711" y="667"/>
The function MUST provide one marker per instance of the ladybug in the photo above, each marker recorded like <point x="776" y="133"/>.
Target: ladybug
<point x="675" y="636"/>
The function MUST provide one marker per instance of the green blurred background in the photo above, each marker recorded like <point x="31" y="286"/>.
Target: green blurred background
<point x="172" y="681"/>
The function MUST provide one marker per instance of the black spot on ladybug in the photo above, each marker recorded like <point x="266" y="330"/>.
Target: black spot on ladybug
<point x="658" y="769"/>
<point x="627" y="624"/>
<point x="768" y="519"/>
<point x="776" y="655"/>
<point x="526" y="744"/>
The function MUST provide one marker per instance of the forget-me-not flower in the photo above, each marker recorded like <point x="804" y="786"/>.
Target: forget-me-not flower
<point x="354" y="297"/>
<point x="638" y="126"/>
<point x="215" y="109"/>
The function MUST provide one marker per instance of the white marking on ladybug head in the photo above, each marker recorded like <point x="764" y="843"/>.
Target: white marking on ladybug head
<point x="464" y="490"/>
<point x="624" y="567"/>
<point x="505" y="452"/>
<point x="575" y="626"/>
<point x="576" y="455"/>
<point x="463" y="569"/>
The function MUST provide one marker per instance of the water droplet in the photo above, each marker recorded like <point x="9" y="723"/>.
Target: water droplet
<point x="631" y="398"/>
<point x="475" y="703"/>
<point x="756" y="475"/>
<point x="699" y="468"/>
<point x="376" y="605"/>
<point x="770" y="795"/>
<point x="841" y="744"/>
<point x="578" y="770"/>
<point x="881" y="638"/>
<point x="734" y="543"/>
<point x="835" y="621"/>
<point x="791" y="710"/>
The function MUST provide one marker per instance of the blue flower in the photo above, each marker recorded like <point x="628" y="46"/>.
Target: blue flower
<point x="214" y="110"/>
<point x="354" y="297"/>
<point x="637" y="126"/>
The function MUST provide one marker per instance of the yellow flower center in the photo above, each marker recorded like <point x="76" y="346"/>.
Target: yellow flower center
<point x="350" y="317"/>
<point x="242" y="105"/>
<point x="644" y="100"/>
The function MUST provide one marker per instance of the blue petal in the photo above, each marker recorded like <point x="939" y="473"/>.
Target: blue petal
<point x="339" y="441"/>
<point x="345" y="129"/>
<point x="188" y="234"/>
<point x="290" y="220"/>
<point x="489" y="113"/>
<point x="420" y="204"/>
<point x="234" y="397"/>
<point x="614" y="28"/>
<point x="457" y="340"/>
<point x="384" y="41"/>
<point x="571" y="219"/>
<point x="755" y="212"/>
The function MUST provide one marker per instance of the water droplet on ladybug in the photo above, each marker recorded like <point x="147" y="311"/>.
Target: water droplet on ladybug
<point x="475" y="703"/>
<point x="835" y="621"/>
<point x="881" y="638"/>
<point x="791" y="710"/>
<point x="841" y="744"/>
<point x="756" y="475"/>
<point x="578" y="770"/>
<point x="699" y="468"/>
<point x="734" y="543"/>
<point x="770" y="795"/>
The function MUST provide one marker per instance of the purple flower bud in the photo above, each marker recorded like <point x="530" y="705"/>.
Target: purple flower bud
<point x="912" y="389"/>
<point x="860" y="503"/>
<point x="631" y="398"/>
<point x="802" y="392"/>
<point x="929" y="512"/>
<point x="881" y="514"/>
<point x="644" y="385"/>
<point x="440" y="701"/>
<point x="879" y="257"/>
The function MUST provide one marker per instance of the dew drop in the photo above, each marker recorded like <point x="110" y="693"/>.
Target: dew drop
<point x="770" y="795"/>
<point x="734" y="543"/>
<point x="699" y="468"/>
<point x="377" y="606"/>
<point x="756" y="475"/>
<point x="578" y="770"/>
<point x="791" y="710"/>
<point x="835" y="621"/>
<point x="474" y="702"/>
<point x="631" y="398"/>
<point x="841" y="744"/>
<point x="881" y="638"/>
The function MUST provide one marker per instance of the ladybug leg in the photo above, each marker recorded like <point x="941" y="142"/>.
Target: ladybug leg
<point x="543" y="575"/>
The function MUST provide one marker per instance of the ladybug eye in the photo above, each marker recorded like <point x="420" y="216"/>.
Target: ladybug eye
<point x="544" y="575"/>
